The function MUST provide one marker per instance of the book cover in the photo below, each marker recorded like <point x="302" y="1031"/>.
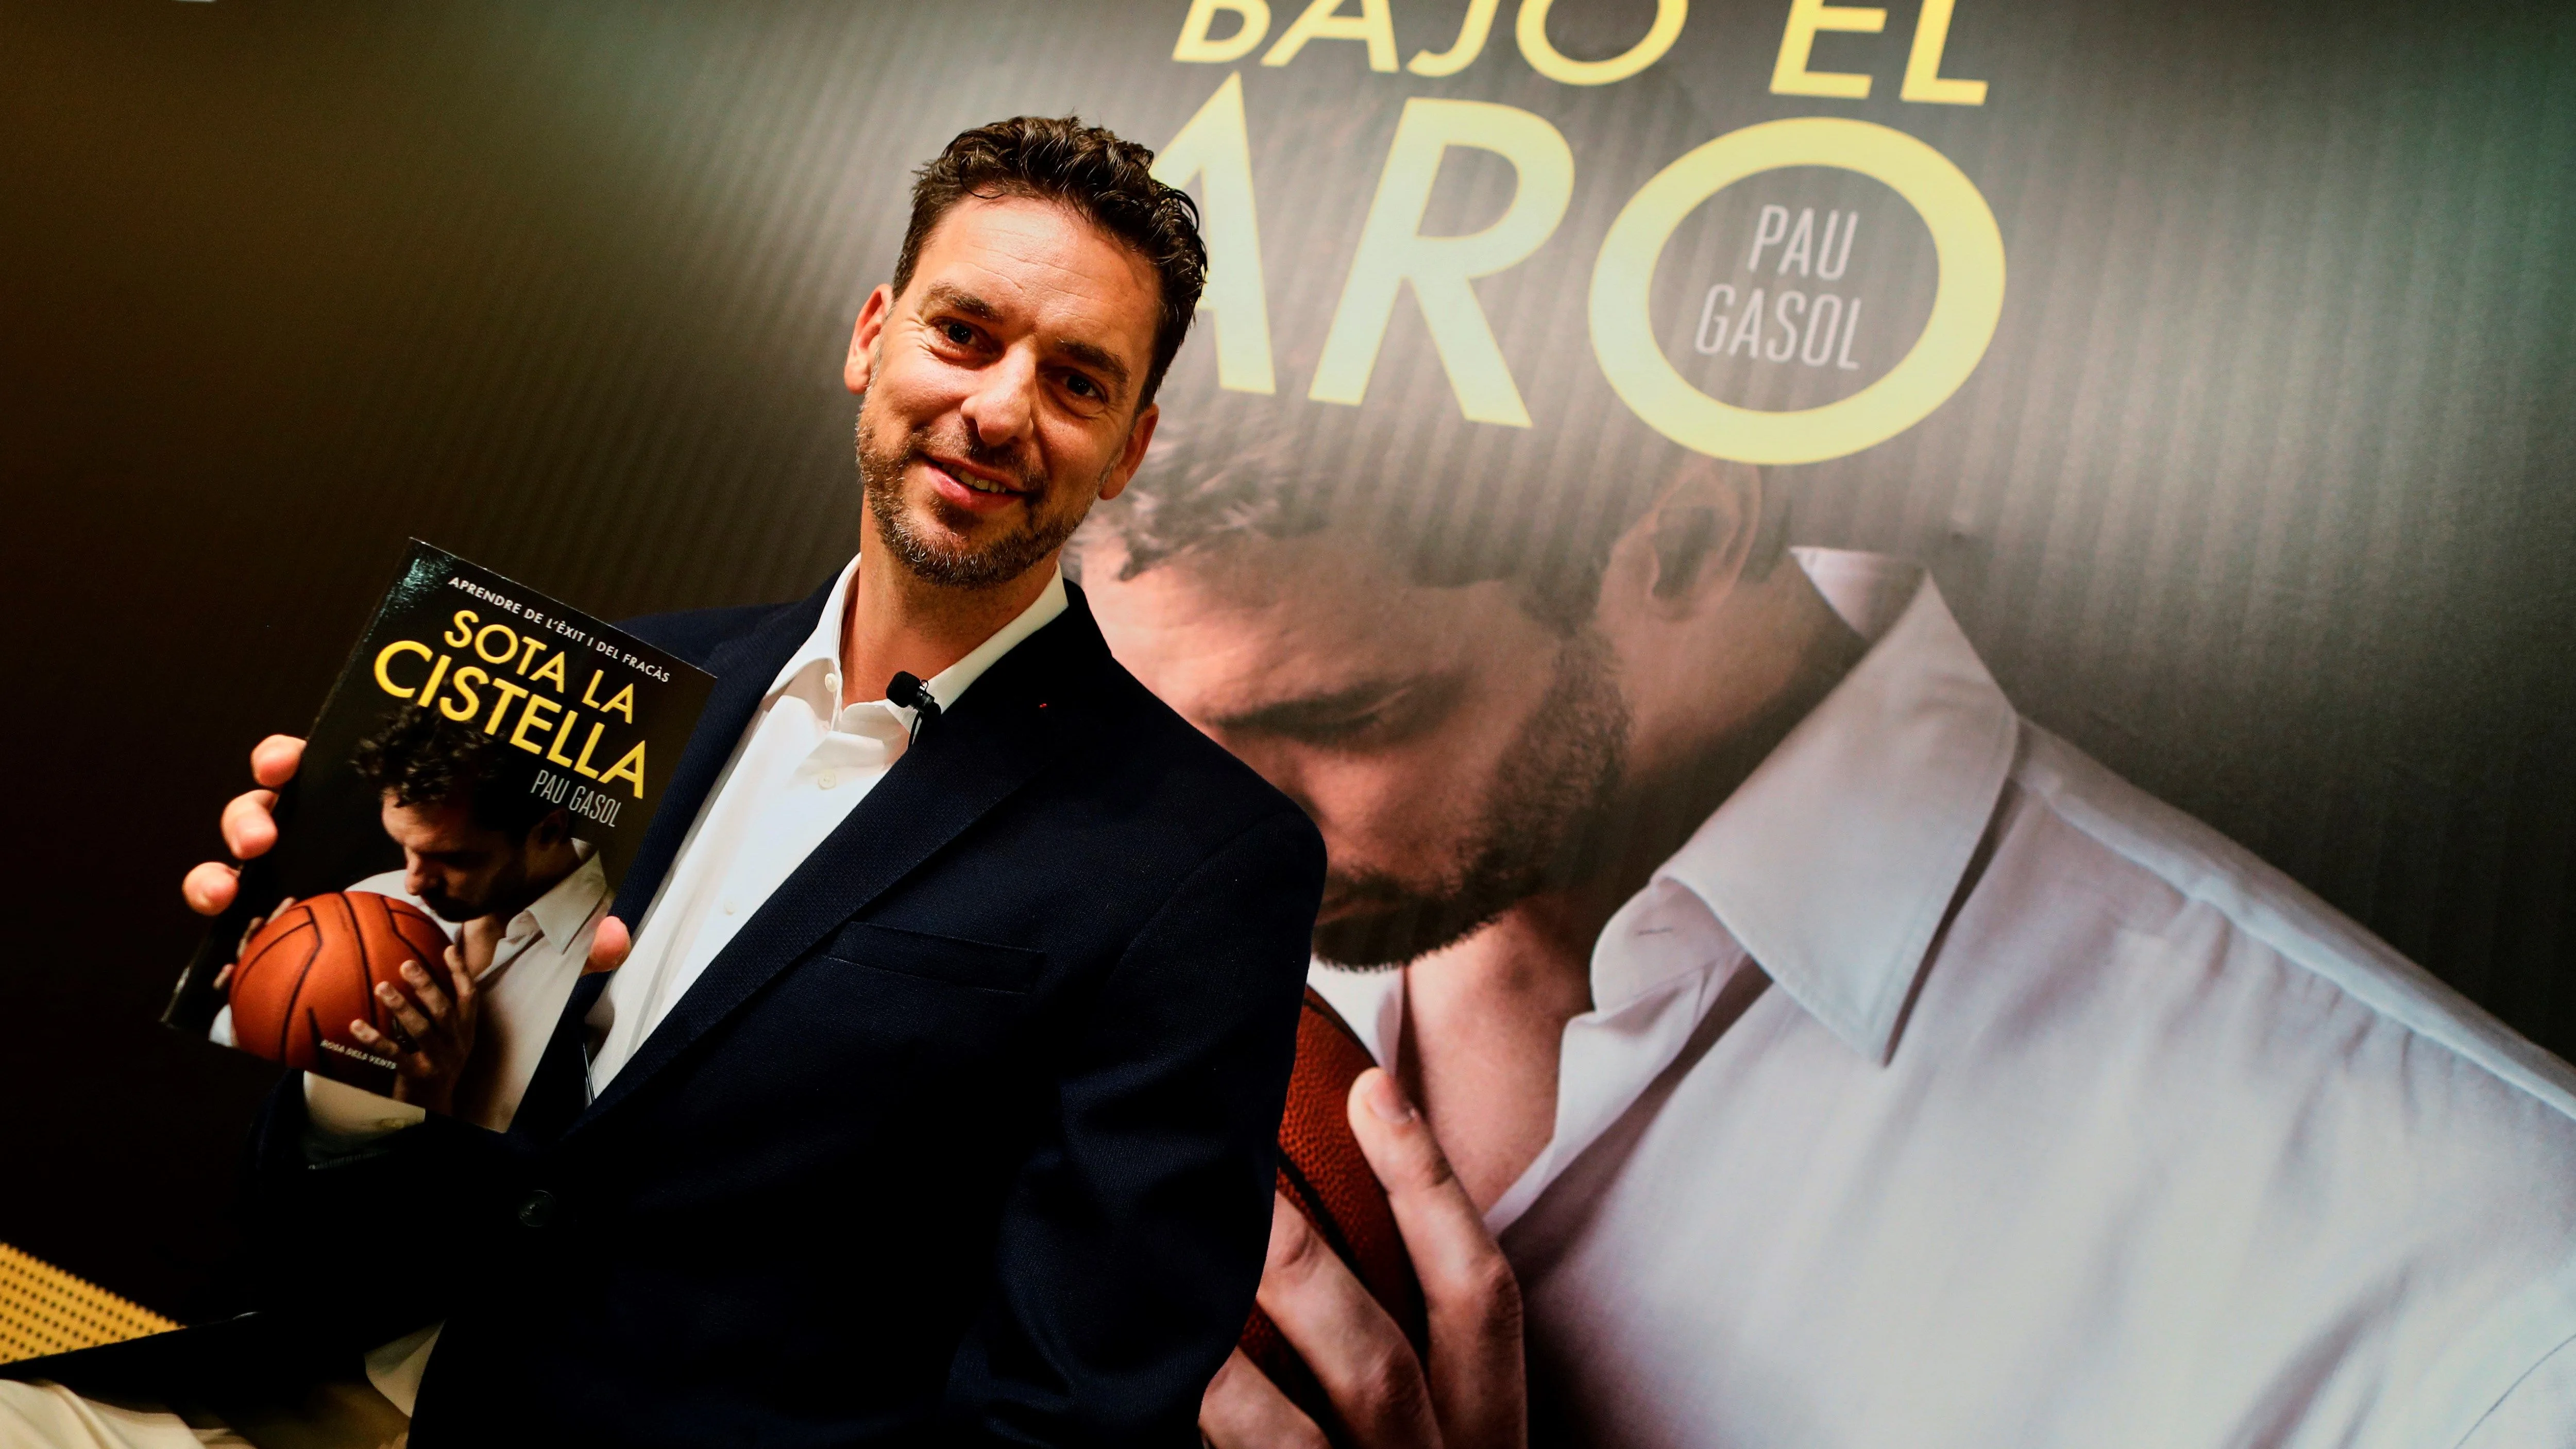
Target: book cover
<point x="478" y="779"/>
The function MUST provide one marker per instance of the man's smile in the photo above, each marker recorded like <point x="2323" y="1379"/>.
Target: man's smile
<point x="974" y="487"/>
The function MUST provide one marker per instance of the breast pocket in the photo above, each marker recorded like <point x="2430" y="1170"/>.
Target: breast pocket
<point x="952" y="959"/>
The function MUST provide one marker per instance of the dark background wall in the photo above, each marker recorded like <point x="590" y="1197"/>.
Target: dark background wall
<point x="2263" y="494"/>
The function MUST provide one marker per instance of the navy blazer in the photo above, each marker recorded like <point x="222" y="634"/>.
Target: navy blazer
<point x="965" y="1138"/>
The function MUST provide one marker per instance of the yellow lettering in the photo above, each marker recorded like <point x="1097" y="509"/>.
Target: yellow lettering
<point x="529" y="716"/>
<point x="1215" y="149"/>
<point x="1463" y="51"/>
<point x="582" y="765"/>
<point x="1195" y="44"/>
<point x="563" y="736"/>
<point x="437" y="672"/>
<point x="509" y="643"/>
<point x="508" y="692"/>
<point x="620" y="703"/>
<point x="385" y="656"/>
<point x="1392" y="252"/>
<point x="1790" y="76"/>
<point x="1543" y="57"/>
<point x="1373" y="26"/>
<point x="464" y="705"/>
<point x="552" y="669"/>
<point x="464" y="627"/>
<point x="529" y="655"/>
<point x="1923" y="80"/>
<point x="629" y="767"/>
<point x="587" y="688"/>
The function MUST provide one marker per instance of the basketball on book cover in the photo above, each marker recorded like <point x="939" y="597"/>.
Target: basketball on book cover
<point x="312" y="969"/>
<point x="1322" y="1171"/>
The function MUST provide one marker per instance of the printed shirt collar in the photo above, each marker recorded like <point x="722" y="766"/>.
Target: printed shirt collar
<point x="1835" y="861"/>
<point x="1832" y="864"/>
<point x="819" y="657"/>
<point x="560" y="913"/>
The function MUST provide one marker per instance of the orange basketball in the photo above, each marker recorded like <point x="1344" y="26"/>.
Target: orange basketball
<point x="312" y="970"/>
<point x="1322" y="1171"/>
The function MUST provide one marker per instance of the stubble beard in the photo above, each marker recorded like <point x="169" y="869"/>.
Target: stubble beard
<point x="510" y="883"/>
<point x="990" y="565"/>
<point x="1542" y="815"/>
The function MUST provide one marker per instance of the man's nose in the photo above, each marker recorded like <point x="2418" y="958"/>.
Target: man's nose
<point x="1004" y="400"/>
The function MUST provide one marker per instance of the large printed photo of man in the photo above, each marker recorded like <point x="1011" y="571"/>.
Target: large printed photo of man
<point x="498" y="867"/>
<point x="1834" y="1055"/>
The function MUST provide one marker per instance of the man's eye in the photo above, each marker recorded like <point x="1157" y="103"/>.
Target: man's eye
<point x="1081" y="386"/>
<point x="1345" y="729"/>
<point x="958" y="333"/>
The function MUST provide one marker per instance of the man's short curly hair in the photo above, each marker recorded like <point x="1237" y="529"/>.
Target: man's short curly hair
<point x="420" y="757"/>
<point x="1107" y="181"/>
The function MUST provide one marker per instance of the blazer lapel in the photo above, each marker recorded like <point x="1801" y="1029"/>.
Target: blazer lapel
<point x="969" y="760"/>
<point x="743" y="670"/>
<point x="743" y="667"/>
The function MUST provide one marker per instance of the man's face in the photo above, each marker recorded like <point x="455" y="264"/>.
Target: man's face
<point x="1451" y="748"/>
<point x="459" y="869"/>
<point x="1001" y="389"/>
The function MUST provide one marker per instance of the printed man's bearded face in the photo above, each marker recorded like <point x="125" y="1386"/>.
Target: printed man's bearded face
<point x="1000" y="397"/>
<point x="458" y="868"/>
<point x="1457" y="754"/>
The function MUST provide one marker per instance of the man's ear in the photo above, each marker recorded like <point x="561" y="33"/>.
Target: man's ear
<point x="1688" y="549"/>
<point x="1132" y="455"/>
<point x="552" y="830"/>
<point x="862" y="363"/>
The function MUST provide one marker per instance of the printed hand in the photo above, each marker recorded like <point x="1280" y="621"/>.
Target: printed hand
<point x="433" y="1032"/>
<point x="1469" y="1396"/>
<point x="248" y="826"/>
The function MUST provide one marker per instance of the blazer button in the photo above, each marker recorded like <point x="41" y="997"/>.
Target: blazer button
<point x="538" y="1210"/>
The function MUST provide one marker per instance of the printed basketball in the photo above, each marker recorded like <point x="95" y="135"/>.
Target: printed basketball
<point x="312" y="970"/>
<point x="1322" y="1171"/>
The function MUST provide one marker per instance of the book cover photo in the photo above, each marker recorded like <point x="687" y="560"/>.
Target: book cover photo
<point x="471" y="793"/>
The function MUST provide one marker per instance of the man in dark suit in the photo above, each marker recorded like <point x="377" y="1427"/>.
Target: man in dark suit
<point x="944" y="1116"/>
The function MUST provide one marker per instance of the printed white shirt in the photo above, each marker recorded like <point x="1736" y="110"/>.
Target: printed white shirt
<point x="1946" y="1090"/>
<point x="802" y="765"/>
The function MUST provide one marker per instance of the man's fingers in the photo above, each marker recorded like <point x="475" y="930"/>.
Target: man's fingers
<point x="460" y="981"/>
<point x="249" y="827"/>
<point x="1243" y="1409"/>
<point x="209" y="889"/>
<point x="1473" y="1300"/>
<point x="406" y="1015"/>
<point x="432" y="1001"/>
<point x="273" y="760"/>
<point x="1370" y="1373"/>
<point x="403" y="1058"/>
<point x="609" y="944"/>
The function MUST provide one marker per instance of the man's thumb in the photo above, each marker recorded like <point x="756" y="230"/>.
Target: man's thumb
<point x="609" y="945"/>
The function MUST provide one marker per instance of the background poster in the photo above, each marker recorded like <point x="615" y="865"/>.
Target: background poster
<point x="2258" y="490"/>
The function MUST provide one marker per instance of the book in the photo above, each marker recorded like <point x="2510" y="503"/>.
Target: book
<point x="471" y="794"/>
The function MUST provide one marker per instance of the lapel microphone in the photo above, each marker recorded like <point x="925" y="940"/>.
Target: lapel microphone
<point x="912" y="694"/>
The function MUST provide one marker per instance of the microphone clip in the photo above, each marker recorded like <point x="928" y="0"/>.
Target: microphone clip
<point x="907" y="690"/>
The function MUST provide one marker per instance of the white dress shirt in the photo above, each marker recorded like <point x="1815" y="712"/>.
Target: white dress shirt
<point x="803" y="764"/>
<point x="1946" y="1090"/>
